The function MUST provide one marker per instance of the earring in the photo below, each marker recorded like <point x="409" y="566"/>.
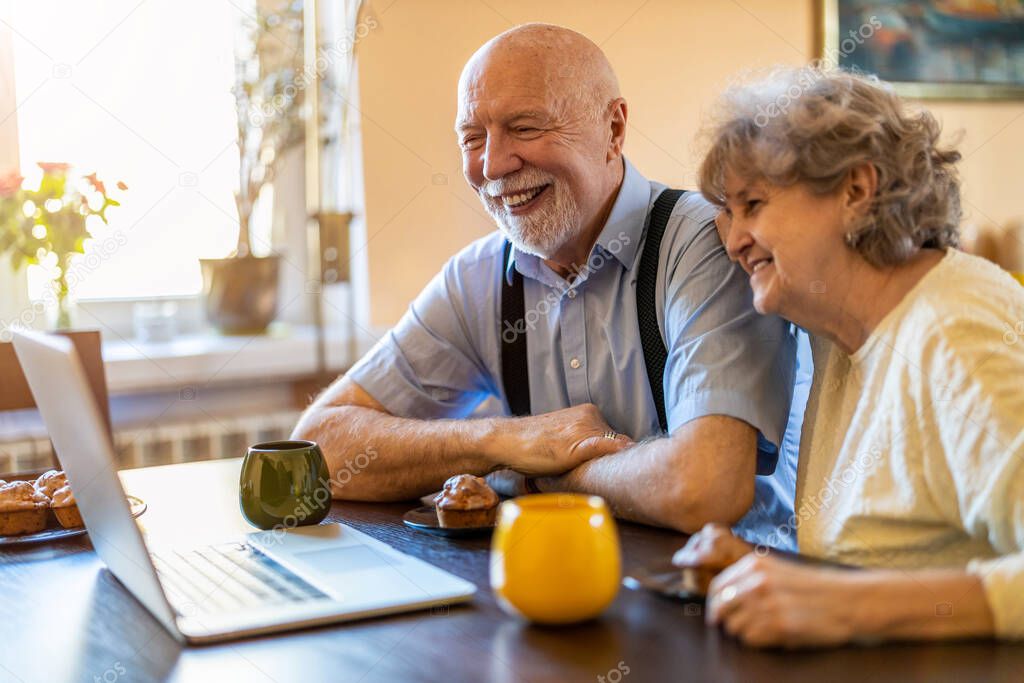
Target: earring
<point x="850" y="239"/>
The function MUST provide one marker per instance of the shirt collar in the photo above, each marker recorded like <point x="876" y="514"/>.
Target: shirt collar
<point x="625" y="225"/>
<point x="621" y="234"/>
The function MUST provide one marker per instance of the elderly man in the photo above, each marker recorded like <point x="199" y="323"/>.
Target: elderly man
<point x="564" y="316"/>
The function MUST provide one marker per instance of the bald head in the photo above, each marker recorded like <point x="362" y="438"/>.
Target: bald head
<point x="541" y="127"/>
<point x="566" y="65"/>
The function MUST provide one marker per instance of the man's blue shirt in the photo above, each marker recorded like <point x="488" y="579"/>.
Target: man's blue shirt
<point x="443" y="358"/>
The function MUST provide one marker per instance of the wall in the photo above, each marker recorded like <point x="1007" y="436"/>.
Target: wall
<point x="671" y="56"/>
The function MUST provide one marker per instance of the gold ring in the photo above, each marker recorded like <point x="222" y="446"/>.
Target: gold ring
<point x="610" y="435"/>
<point x="728" y="594"/>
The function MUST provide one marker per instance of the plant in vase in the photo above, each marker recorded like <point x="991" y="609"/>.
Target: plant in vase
<point x="241" y="290"/>
<point x="47" y="226"/>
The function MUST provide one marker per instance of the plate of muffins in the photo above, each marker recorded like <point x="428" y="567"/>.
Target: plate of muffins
<point x="43" y="510"/>
<point x="466" y="506"/>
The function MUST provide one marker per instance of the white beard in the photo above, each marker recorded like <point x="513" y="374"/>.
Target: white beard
<point x="547" y="228"/>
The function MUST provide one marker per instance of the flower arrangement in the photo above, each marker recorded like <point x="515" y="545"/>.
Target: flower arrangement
<point x="47" y="225"/>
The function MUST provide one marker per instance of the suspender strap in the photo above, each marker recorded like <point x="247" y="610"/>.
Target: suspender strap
<point x="514" y="363"/>
<point x="515" y="374"/>
<point x="655" y="353"/>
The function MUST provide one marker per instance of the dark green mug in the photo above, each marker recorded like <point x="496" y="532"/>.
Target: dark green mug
<point x="284" y="484"/>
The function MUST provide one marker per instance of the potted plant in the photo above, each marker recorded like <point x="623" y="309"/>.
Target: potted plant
<point x="241" y="290"/>
<point x="48" y="225"/>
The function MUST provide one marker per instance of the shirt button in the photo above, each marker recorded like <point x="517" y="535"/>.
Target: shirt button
<point x="571" y="294"/>
<point x="575" y="364"/>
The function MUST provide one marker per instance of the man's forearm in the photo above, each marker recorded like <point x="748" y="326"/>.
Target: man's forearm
<point x="375" y="456"/>
<point x="633" y="482"/>
<point x="639" y="483"/>
<point x="704" y="473"/>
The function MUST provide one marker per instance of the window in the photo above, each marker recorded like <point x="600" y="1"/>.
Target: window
<point x="138" y="92"/>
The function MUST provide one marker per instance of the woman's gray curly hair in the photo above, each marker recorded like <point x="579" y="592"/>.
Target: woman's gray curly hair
<point x="813" y="125"/>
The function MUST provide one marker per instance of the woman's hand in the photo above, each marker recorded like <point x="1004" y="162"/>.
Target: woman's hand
<point x="767" y="601"/>
<point x="713" y="548"/>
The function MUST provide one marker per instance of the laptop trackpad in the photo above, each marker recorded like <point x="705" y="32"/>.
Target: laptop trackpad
<point x="341" y="559"/>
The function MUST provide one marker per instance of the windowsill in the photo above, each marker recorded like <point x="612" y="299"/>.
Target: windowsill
<point x="200" y="377"/>
<point x="285" y="351"/>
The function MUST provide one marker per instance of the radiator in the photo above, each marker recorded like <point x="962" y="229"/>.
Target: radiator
<point x="222" y="437"/>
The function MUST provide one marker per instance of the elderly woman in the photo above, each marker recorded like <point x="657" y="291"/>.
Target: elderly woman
<point x="842" y="206"/>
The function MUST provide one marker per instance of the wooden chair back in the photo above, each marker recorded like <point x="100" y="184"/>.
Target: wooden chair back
<point x="15" y="393"/>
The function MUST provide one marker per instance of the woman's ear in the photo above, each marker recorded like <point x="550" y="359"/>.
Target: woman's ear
<point x="859" y="189"/>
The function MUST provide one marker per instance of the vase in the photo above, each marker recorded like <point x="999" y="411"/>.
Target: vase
<point x="240" y="294"/>
<point x="61" y="311"/>
<point x="63" y="321"/>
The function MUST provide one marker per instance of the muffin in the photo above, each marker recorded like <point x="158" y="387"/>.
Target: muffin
<point x="65" y="508"/>
<point x="22" y="508"/>
<point x="49" y="482"/>
<point x="466" y="501"/>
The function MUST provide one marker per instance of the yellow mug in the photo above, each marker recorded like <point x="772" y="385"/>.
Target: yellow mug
<point x="1019" y="277"/>
<point x="555" y="557"/>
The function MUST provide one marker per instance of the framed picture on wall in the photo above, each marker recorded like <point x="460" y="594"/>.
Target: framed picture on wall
<point x="956" y="49"/>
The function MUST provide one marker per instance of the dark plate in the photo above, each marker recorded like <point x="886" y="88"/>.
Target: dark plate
<point x="425" y="519"/>
<point x="56" y="532"/>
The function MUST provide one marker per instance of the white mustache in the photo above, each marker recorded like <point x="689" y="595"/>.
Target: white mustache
<point x="523" y="180"/>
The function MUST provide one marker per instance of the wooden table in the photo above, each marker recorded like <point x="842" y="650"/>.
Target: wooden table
<point x="63" y="617"/>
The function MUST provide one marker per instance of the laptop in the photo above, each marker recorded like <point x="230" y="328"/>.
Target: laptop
<point x="257" y="583"/>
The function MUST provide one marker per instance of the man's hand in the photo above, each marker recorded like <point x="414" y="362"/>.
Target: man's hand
<point x="556" y="442"/>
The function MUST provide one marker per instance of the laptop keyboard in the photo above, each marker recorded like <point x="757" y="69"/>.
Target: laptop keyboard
<point x="228" y="577"/>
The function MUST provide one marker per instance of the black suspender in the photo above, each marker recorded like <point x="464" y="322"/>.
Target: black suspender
<point x="655" y="353"/>
<point x="514" y="364"/>
<point x="514" y="360"/>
